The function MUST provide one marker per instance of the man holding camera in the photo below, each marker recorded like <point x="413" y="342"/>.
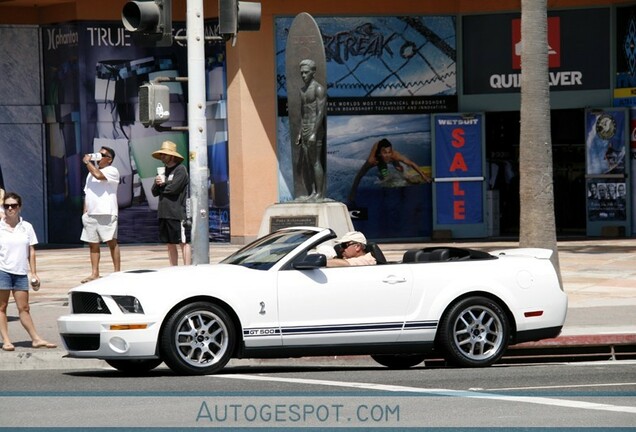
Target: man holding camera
<point x="100" y="208"/>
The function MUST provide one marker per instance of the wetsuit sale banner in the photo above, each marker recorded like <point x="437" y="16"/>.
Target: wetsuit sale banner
<point x="458" y="169"/>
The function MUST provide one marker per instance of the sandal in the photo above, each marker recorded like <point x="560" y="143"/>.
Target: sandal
<point x="8" y="347"/>
<point x="88" y="279"/>
<point x="44" y="344"/>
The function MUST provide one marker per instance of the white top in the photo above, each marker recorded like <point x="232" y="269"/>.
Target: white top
<point x="101" y="195"/>
<point x="366" y="259"/>
<point x="14" y="247"/>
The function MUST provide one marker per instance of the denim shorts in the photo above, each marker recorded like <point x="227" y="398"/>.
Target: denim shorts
<point x="10" y="281"/>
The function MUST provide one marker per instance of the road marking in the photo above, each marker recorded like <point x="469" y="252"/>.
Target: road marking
<point x="441" y="392"/>
<point x="554" y="387"/>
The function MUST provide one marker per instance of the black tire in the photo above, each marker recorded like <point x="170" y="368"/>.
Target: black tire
<point x="198" y="339"/>
<point x="135" y="367"/>
<point x="474" y="332"/>
<point x="398" y="361"/>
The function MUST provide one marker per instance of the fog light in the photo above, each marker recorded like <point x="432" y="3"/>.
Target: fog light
<point x="118" y="344"/>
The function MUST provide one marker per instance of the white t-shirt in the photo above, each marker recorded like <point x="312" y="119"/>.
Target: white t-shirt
<point x="14" y="247"/>
<point x="101" y="195"/>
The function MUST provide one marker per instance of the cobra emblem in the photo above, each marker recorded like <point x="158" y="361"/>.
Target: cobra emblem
<point x="262" y="311"/>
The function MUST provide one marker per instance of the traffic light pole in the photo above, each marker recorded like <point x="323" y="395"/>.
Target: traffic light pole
<point x="197" y="132"/>
<point x="151" y="22"/>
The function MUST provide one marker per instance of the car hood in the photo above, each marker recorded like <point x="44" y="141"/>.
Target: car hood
<point x="160" y="281"/>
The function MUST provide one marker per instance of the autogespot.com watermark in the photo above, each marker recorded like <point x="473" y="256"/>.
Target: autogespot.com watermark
<point x="437" y="408"/>
<point x="307" y="413"/>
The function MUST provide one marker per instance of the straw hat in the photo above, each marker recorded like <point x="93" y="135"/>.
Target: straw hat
<point x="167" y="148"/>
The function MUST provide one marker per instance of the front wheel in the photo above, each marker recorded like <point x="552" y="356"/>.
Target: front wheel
<point x="198" y="339"/>
<point x="398" y="361"/>
<point x="474" y="332"/>
<point x="134" y="367"/>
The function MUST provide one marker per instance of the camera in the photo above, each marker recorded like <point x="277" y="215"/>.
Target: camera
<point x="95" y="156"/>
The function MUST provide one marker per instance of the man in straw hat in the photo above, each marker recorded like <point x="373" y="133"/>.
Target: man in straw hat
<point x="172" y="189"/>
<point x="353" y="246"/>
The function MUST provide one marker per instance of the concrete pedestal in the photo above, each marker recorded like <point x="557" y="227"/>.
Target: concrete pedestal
<point x="334" y="215"/>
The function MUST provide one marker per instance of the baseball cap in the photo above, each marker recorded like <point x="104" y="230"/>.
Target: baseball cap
<point x="353" y="236"/>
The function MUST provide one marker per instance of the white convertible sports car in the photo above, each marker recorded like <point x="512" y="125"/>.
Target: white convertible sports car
<point x="276" y="298"/>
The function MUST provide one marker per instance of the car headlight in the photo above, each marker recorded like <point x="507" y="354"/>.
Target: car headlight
<point x="128" y="304"/>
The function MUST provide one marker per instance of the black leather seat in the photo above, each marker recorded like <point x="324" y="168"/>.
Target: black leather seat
<point x="440" y="255"/>
<point x="419" y="255"/>
<point x="416" y="255"/>
<point x="374" y="249"/>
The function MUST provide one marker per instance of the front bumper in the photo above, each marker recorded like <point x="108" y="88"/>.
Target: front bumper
<point x="95" y="335"/>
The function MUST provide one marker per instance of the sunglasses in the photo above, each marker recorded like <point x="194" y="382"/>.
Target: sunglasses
<point x="347" y="244"/>
<point x="10" y="206"/>
<point x="106" y="155"/>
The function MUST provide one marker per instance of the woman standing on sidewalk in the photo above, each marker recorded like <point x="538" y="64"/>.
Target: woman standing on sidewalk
<point x="17" y="255"/>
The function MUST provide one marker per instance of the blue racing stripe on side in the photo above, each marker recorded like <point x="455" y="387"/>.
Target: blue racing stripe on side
<point x="339" y="328"/>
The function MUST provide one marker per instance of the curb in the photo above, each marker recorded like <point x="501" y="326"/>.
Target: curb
<point x="582" y="340"/>
<point x="45" y="360"/>
<point x="616" y="346"/>
<point x="560" y="349"/>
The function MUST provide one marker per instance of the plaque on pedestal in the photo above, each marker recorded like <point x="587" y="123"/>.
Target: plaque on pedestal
<point x="334" y="215"/>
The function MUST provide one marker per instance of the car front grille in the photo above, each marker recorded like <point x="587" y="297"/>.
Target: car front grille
<point x="88" y="303"/>
<point x="81" y="342"/>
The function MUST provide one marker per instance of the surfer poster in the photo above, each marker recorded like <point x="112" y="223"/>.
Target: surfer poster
<point x="385" y="76"/>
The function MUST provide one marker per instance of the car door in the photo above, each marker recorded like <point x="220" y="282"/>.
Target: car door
<point x="343" y="305"/>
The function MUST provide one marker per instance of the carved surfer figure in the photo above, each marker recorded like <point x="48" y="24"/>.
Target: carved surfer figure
<point x="311" y="137"/>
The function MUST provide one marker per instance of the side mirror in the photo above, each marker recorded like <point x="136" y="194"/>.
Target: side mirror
<point x="311" y="262"/>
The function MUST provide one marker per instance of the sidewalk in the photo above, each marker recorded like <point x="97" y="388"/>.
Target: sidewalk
<point x="599" y="277"/>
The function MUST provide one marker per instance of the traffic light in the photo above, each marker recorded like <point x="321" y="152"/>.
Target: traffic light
<point x="235" y="16"/>
<point x="154" y="104"/>
<point x="149" y="20"/>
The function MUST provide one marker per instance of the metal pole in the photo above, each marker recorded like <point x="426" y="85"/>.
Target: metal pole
<point x="197" y="133"/>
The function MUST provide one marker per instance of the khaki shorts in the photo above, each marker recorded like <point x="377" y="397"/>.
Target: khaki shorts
<point x="98" y="228"/>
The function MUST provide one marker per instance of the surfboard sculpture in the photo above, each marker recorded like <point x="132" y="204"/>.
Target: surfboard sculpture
<point x="306" y="77"/>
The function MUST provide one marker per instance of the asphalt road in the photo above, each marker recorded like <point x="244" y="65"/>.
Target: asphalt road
<point x="593" y="394"/>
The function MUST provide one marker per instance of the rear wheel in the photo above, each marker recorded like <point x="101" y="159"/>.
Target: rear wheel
<point x="134" y="366"/>
<point x="474" y="332"/>
<point x="398" y="361"/>
<point x="198" y="339"/>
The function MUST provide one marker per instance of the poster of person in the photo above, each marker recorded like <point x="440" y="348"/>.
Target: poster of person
<point x="626" y="48"/>
<point x="386" y="75"/>
<point x="92" y="73"/>
<point x="606" y="200"/>
<point x="605" y="141"/>
<point x="632" y="145"/>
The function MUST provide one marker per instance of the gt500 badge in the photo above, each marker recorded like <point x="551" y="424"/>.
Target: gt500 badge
<point x="261" y="332"/>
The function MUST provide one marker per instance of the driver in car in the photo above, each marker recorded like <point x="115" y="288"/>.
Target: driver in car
<point x="353" y="245"/>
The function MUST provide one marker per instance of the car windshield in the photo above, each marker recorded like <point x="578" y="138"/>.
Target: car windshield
<point x="267" y="251"/>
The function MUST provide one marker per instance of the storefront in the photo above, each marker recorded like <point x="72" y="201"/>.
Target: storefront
<point x="392" y="66"/>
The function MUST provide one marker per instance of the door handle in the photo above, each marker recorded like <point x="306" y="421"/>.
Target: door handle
<point x="392" y="279"/>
